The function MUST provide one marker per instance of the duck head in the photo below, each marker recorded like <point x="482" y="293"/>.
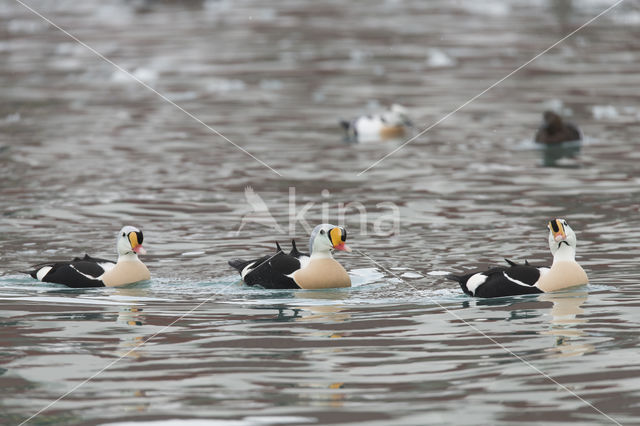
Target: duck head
<point x="560" y="235"/>
<point x="130" y="241"/>
<point x="551" y="121"/>
<point x="400" y="115"/>
<point x="326" y="237"/>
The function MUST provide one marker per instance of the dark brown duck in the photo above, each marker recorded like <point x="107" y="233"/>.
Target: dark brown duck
<point x="554" y="130"/>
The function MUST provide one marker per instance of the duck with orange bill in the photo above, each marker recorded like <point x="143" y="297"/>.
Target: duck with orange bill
<point x="297" y="270"/>
<point x="87" y="271"/>
<point x="525" y="278"/>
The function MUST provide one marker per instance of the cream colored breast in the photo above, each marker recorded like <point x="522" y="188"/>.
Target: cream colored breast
<point x="562" y="275"/>
<point x="322" y="273"/>
<point x="126" y="273"/>
<point x="389" y="132"/>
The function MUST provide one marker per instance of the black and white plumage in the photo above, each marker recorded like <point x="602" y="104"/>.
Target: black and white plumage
<point x="302" y="257"/>
<point x="501" y="281"/>
<point x="517" y="279"/>
<point x="81" y="272"/>
<point x="270" y="271"/>
<point x="389" y="124"/>
<point x="87" y="271"/>
<point x="299" y="270"/>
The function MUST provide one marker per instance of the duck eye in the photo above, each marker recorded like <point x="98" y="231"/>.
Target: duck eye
<point x="322" y="232"/>
<point x="124" y="235"/>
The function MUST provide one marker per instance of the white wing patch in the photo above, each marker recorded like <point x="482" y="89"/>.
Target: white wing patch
<point x="42" y="272"/>
<point x="368" y="126"/>
<point x="106" y="267"/>
<point x="82" y="273"/>
<point x="543" y="270"/>
<point x="475" y="281"/>
<point x="246" y="270"/>
<point x="304" y="261"/>
<point x="513" y="280"/>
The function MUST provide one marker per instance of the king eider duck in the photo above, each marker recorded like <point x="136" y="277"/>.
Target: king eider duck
<point x="554" y="130"/>
<point x="87" y="271"/>
<point x="297" y="270"/>
<point x="525" y="278"/>
<point x="390" y="124"/>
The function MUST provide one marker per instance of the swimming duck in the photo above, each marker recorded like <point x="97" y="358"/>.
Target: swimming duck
<point x="89" y="271"/>
<point x="297" y="270"/>
<point x="389" y="124"/>
<point x="526" y="278"/>
<point x="554" y="130"/>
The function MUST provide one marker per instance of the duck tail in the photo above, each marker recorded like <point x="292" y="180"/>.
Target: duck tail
<point x="32" y="273"/>
<point x="35" y="268"/>
<point x="454" y="277"/>
<point x="462" y="280"/>
<point x="239" y="264"/>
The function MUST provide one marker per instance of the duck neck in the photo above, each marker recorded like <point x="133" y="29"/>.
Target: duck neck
<point x="565" y="253"/>
<point x="321" y="255"/>
<point x="128" y="257"/>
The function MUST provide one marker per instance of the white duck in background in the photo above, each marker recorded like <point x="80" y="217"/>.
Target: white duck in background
<point x="526" y="279"/>
<point x="93" y="272"/>
<point x="297" y="270"/>
<point x="390" y="124"/>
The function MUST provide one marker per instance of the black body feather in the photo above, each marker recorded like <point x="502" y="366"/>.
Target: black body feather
<point x="270" y="271"/>
<point x="81" y="272"/>
<point x="499" y="281"/>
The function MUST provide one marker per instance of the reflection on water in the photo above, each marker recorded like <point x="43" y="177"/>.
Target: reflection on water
<point x="83" y="150"/>
<point x="553" y="155"/>
<point x="331" y="313"/>
<point x="565" y="323"/>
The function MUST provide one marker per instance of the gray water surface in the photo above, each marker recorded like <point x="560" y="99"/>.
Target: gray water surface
<point x="84" y="150"/>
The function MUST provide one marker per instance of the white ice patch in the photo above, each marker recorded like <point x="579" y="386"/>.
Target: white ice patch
<point x="192" y="253"/>
<point x="221" y="85"/>
<point x="362" y="276"/>
<point x="146" y="75"/>
<point x="247" y="421"/>
<point x="411" y="275"/>
<point x="438" y="273"/>
<point x="122" y="298"/>
<point x="12" y="118"/>
<point x="69" y="300"/>
<point x="438" y="59"/>
<point x="604" y="112"/>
